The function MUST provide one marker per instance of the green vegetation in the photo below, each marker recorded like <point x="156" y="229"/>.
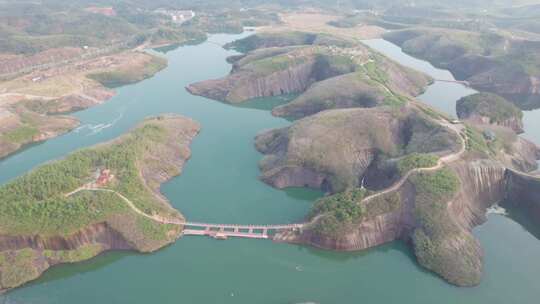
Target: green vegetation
<point x="439" y="185"/>
<point x="439" y="242"/>
<point x="334" y="64"/>
<point x="434" y="114"/>
<point x="339" y="211"/>
<point x="415" y="161"/>
<point x="264" y="40"/>
<point x="36" y="204"/>
<point x="375" y="73"/>
<point x="429" y="136"/>
<point x="71" y="256"/>
<point x="282" y="39"/>
<point x="433" y="192"/>
<point x="276" y="64"/>
<point x="325" y="64"/>
<point x="387" y="203"/>
<point x="21" y="135"/>
<point x="491" y="61"/>
<point x="17" y="267"/>
<point x="496" y="108"/>
<point x="27" y="29"/>
<point x="176" y="36"/>
<point x="153" y="230"/>
<point x="39" y="106"/>
<point x="113" y="79"/>
<point x="476" y="141"/>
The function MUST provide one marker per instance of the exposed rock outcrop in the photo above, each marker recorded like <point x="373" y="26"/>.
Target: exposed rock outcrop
<point x="245" y="85"/>
<point x="483" y="183"/>
<point x="523" y="192"/>
<point x="487" y="108"/>
<point x="334" y="77"/>
<point x="489" y="62"/>
<point x="381" y="228"/>
<point x="333" y="149"/>
<point x="267" y="40"/>
<point x="434" y="210"/>
<point x="345" y="91"/>
<point x="442" y="240"/>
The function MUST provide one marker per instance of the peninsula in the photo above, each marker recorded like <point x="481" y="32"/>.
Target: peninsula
<point x="393" y="167"/>
<point x="97" y="199"/>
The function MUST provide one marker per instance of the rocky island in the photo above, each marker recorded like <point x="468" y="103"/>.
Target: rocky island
<point x="487" y="108"/>
<point x="327" y="72"/>
<point x="396" y="174"/>
<point x="488" y="61"/>
<point x="393" y="168"/>
<point x="97" y="199"/>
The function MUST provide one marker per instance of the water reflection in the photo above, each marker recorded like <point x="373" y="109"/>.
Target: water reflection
<point x="65" y="271"/>
<point x="267" y="103"/>
<point x="522" y="217"/>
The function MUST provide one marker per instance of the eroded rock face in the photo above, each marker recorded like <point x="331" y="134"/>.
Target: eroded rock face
<point x="523" y="191"/>
<point x="517" y="86"/>
<point x="343" y="76"/>
<point x="497" y="64"/>
<point x="483" y="183"/>
<point x="318" y="151"/>
<point x="345" y="91"/>
<point x="163" y="159"/>
<point x="370" y="232"/>
<point x="524" y="155"/>
<point x="333" y="149"/>
<point x="456" y="255"/>
<point x="101" y="234"/>
<point x="267" y="40"/>
<point x="247" y="85"/>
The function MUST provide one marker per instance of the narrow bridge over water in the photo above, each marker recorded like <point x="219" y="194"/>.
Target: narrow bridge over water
<point x="463" y="82"/>
<point x="223" y="231"/>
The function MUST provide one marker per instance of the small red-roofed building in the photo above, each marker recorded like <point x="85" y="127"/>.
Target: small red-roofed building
<point x="104" y="178"/>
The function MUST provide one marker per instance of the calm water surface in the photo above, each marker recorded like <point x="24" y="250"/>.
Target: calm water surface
<point x="220" y="184"/>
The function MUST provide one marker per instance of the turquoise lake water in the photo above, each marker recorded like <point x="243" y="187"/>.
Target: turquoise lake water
<point x="219" y="184"/>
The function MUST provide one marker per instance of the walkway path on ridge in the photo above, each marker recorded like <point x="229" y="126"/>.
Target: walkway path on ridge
<point x="130" y="205"/>
<point x="163" y="220"/>
<point x="457" y="128"/>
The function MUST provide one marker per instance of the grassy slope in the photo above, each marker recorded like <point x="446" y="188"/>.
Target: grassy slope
<point x="497" y="108"/>
<point x="439" y="242"/>
<point x="35" y="204"/>
<point x="416" y="160"/>
<point x="28" y="128"/>
<point x="329" y="59"/>
<point x="131" y="74"/>
<point x="281" y="39"/>
<point x="489" y="61"/>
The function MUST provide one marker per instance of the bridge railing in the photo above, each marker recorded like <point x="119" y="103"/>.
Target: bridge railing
<point x="238" y="226"/>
